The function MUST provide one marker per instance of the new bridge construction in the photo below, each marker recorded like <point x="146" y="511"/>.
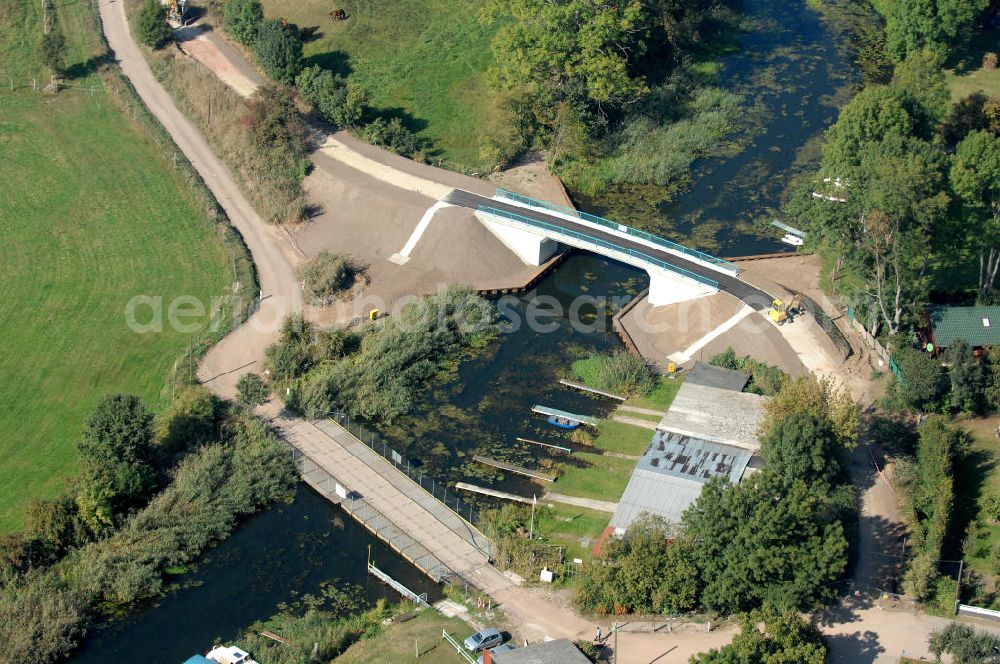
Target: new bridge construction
<point x="534" y="229"/>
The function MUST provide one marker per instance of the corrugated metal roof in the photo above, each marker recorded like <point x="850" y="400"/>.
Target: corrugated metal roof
<point x="560" y="651"/>
<point x="712" y="376"/>
<point x="977" y="326"/>
<point x="671" y="473"/>
<point x="716" y="415"/>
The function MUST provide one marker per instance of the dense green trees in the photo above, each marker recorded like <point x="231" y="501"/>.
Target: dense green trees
<point x="152" y="25"/>
<point x="53" y="45"/>
<point x="342" y="105"/>
<point x="278" y="47"/>
<point x="975" y="177"/>
<point x="928" y="490"/>
<point x="764" y="541"/>
<point x="604" y="87"/>
<point x="621" y="581"/>
<point x="115" y="460"/>
<point x="392" y="135"/>
<point x="965" y="644"/>
<point x="785" y="639"/>
<point x="940" y="25"/>
<point x="251" y="390"/>
<point x="803" y="446"/>
<point x="242" y="20"/>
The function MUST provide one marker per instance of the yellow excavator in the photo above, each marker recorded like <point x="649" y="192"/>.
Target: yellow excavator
<point x="781" y="310"/>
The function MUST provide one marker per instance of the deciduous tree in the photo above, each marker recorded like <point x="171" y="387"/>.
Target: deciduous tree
<point x="975" y="177"/>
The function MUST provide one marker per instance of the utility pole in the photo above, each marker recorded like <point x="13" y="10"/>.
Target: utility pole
<point x="958" y="586"/>
<point x="614" y="653"/>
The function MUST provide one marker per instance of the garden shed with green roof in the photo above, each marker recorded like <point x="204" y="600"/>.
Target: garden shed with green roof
<point x="977" y="326"/>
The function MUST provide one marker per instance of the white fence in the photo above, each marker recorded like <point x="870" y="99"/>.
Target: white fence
<point x="978" y="612"/>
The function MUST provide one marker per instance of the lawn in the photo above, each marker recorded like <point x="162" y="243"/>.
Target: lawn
<point x="573" y="527"/>
<point x="92" y="215"/>
<point x="962" y="85"/>
<point x="420" y="60"/>
<point x="981" y="470"/>
<point x="598" y="477"/>
<point x="624" y="438"/>
<point x="400" y="643"/>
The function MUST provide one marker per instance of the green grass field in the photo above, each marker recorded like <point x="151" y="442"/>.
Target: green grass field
<point x="418" y="640"/>
<point x="421" y="60"/>
<point x="962" y="85"/>
<point x="91" y="216"/>
<point x="602" y="478"/>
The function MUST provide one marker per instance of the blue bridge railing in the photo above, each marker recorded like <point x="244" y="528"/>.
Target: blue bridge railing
<point x="559" y="230"/>
<point x="607" y="223"/>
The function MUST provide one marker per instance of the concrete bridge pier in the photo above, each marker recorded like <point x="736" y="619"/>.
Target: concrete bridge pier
<point x="666" y="287"/>
<point x="532" y="248"/>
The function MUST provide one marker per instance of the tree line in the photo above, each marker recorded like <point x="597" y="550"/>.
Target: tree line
<point x="152" y="495"/>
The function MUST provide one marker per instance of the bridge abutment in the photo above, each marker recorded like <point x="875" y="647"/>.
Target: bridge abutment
<point x="667" y="287"/>
<point x="532" y="248"/>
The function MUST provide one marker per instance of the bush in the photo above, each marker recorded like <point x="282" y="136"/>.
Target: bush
<point x="989" y="61"/>
<point x="242" y="20"/>
<point x="764" y="378"/>
<point x="152" y="26"/>
<point x="380" y="379"/>
<point x="278" y="48"/>
<point x="964" y="644"/>
<point x="250" y="390"/>
<point x="342" y="105"/>
<point x="192" y="419"/>
<point x="392" y="136"/>
<point x="326" y="276"/>
<point x="624" y="373"/>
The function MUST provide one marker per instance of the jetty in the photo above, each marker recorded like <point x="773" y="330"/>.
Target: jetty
<point x="495" y="493"/>
<point x="567" y="450"/>
<point x="583" y="387"/>
<point x="572" y="417"/>
<point x="511" y="468"/>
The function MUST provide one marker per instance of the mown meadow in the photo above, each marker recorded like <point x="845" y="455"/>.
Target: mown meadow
<point x="92" y="214"/>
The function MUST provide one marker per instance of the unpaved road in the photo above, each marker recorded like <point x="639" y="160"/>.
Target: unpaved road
<point x="271" y="252"/>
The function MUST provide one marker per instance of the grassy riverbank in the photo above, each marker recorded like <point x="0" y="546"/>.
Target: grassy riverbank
<point x="94" y="214"/>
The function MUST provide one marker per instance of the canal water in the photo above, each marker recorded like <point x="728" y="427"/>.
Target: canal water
<point x="791" y="75"/>
<point x="274" y="557"/>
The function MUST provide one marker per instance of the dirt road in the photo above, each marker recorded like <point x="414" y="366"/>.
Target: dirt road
<point x="272" y="254"/>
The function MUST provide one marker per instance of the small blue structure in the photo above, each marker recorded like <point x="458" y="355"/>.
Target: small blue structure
<point x="198" y="659"/>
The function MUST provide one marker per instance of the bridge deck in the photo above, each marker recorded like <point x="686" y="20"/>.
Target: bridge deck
<point x="393" y="506"/>
<point x="752" y="295"/>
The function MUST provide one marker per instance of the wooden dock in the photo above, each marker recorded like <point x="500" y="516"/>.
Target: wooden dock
<point x="593" y="390"/>
<point x="511" y="468"/>
<point x="572" y="417"/>
<point x="567" y="450"/>
<point x="492" y="492"/>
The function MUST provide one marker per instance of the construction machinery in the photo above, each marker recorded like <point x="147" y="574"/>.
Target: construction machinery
<point x="782" y="310"/>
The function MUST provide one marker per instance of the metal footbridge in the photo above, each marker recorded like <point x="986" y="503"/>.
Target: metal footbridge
<point x="617" y="241"/>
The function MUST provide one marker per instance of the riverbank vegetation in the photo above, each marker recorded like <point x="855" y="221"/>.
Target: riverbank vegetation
<point x="378" y="372"/>
<point x="87" y="230"/>
<point x="152" y="497"/>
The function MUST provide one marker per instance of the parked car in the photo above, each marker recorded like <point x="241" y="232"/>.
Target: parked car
<point x="503" y="647"/>
<point x="483" y="639"/>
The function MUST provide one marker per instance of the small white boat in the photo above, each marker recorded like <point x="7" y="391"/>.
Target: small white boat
<point x="224" y="655"/>
<point x="793" y="240"/>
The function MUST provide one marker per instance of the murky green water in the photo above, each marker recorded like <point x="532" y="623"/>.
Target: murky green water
<point x="791" y="73"/>
<point x="793" y="78"/>
<point x="274" y="557"/>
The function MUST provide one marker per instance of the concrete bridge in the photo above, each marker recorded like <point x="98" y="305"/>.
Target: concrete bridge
<point x="534" y="230"/>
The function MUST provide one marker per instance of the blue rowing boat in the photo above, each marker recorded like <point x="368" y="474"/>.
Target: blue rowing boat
<point x="563" y="423"/>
